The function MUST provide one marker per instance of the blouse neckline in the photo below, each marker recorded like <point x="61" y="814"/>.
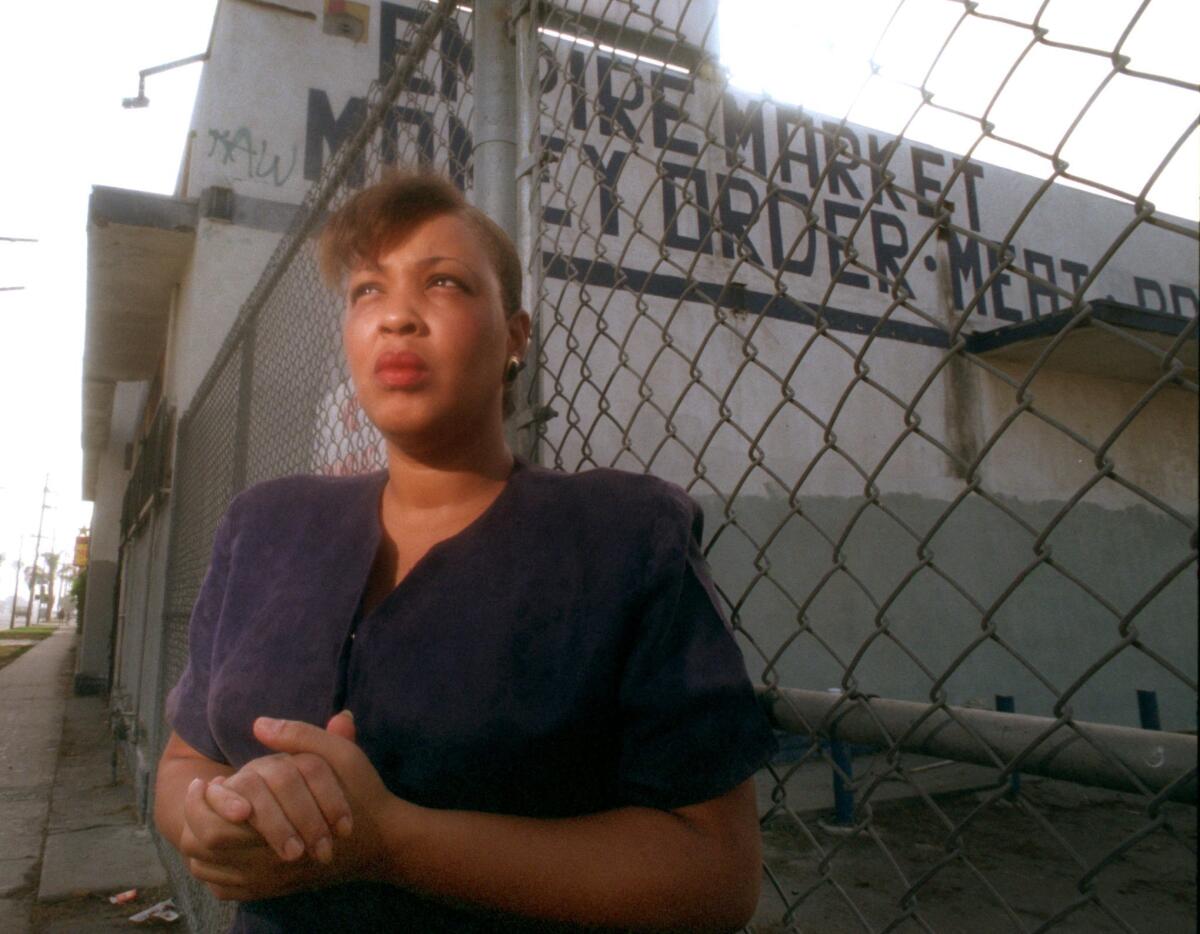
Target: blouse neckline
<point x="465" y="534"/>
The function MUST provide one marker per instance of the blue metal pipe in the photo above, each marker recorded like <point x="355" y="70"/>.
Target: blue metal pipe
<point x="1006" y="704"/>
<point x="843" y="794"/>
<point x="1148" y="710"/>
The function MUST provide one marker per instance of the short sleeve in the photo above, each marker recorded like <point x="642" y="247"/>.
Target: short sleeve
<point x="187" y="702"/>
<point x="692" y="728"/>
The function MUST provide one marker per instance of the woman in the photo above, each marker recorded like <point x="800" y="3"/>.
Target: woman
<point x="534" y="715"/>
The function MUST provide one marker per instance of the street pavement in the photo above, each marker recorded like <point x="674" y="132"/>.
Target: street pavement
<point x="69" y="834"/>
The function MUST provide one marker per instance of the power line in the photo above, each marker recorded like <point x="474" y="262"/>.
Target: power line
<point x="16" y="288"/>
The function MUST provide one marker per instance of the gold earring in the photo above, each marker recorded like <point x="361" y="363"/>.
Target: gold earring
<point x="512" y="369"/>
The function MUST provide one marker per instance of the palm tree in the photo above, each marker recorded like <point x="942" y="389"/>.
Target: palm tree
<point x="40" y="577"/>
<point x="34" y="576"/>
<point x="52" y="559"/>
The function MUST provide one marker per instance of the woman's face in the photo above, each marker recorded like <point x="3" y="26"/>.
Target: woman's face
<point x="426" y="337"/>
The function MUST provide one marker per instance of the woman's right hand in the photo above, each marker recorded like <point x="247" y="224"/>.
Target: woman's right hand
<point x="294" y="803"/>
<point x="234" y="860"/>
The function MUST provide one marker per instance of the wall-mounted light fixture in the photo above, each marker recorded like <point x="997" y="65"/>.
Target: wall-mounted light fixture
<point x="142" y="100"/>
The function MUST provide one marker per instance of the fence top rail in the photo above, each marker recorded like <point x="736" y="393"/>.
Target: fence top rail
<point x="1120" y="758"/>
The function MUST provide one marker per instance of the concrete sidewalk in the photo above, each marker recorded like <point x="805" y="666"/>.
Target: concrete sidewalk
<point x="69" y="834"/>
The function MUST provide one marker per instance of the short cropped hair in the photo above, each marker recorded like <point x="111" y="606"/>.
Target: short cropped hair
<point x="377" y="218"/>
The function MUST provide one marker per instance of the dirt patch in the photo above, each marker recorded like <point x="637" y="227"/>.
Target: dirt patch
<point x="1060" y="853"/>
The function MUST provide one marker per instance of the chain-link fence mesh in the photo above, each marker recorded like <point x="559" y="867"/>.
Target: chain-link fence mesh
<point x="802" y="321"/>
<point x="941" y="418"/>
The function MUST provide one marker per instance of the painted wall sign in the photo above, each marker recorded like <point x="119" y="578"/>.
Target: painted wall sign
<point x="789" y="201"/>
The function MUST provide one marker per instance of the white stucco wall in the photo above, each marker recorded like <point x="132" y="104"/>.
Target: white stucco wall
<point x="226" y="264"/>
<point x="251" y="108"/>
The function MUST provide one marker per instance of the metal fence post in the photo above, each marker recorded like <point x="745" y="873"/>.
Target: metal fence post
<point x="495" y="115"/>
<point x="244" y="401"/>
<point x="158" y="726"/>
<point x="494" y="129"/>
<point x="529" y="154"/>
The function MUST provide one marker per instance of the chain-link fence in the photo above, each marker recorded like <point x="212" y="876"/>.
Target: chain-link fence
<point x="940" y="415"/>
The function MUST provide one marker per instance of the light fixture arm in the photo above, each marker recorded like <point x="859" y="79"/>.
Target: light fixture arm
<point x="142" y="100"/>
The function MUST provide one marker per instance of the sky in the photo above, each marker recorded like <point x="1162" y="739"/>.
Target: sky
<point x="66" y="67"/>
<point x="820" y="55"/>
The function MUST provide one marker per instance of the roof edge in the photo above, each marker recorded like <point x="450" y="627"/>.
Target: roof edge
<point x="131" y="208"/>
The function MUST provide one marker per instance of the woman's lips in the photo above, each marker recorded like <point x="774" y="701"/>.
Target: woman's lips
<point x="400" y="369"/>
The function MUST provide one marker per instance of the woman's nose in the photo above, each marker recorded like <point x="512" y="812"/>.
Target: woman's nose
<point x="401" y="315"/>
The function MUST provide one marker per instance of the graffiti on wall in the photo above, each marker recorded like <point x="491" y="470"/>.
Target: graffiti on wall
<point x="243" y="150"/>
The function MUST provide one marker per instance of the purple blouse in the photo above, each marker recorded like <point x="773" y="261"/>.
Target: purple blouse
<point x="564" y="654"/>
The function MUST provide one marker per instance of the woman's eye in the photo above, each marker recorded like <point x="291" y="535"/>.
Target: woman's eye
<point x="446" y="282"/>
<point x="364" y="288"/>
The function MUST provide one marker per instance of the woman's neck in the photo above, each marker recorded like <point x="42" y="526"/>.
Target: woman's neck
<point x="448" y="475"/>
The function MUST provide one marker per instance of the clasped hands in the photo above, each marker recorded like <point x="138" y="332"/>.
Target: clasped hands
<point x="305" y="817"/>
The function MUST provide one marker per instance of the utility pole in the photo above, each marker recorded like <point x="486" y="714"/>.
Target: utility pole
<point x="51" y="572"/>
<point x="36" y="549"/>
<point x="12" y="617"/>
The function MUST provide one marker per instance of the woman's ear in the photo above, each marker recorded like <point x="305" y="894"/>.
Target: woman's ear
<point x="519" y="325"/>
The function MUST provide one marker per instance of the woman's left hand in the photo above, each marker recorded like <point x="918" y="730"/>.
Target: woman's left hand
<point x="369" y="799"/>
<point x="258" y="872"/>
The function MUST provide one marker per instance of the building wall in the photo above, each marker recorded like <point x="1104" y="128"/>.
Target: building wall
<point x="279" y="93"/>
<point x="834" y="469"/>
<point x="1113" y="542"/>
<point x="272" y="79"/>
<point x="227" y="262"/>
<point x="97" y="630"/>
<point x="251" y="115"/>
